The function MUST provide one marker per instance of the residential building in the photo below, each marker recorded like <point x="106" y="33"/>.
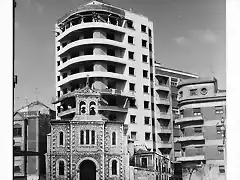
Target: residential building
<point x="31" y="126"/>
<point x="199" y="141"/>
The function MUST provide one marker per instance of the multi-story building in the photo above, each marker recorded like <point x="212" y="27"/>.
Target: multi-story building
<point x="31" y="126"/>
<point x="199" y="143"/>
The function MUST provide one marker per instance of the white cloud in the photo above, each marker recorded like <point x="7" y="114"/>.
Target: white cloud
<point x="180" y="40"/>
<point x="204" y="36"/>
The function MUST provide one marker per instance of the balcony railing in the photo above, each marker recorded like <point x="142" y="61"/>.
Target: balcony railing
<point x="195" y="137"/>
<point x="165" y="144"/>
<point x="163" y="115"/>
<point x="164" y="87"/>
<point x="113" y="108"/>
<point x="160" y="100"/>
<point x="191" y="158"/>
<point x="66" y="112"/>
<point x="187" y="119"/>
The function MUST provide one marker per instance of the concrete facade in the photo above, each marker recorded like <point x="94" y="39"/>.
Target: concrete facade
<point x="199" y="140"/>
<point x="31" y="126"/>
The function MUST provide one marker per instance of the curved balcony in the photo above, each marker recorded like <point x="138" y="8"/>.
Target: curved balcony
<point x="67" y="112"/>
<point x="191" y="158"/>
<point x="91" y="74"/>
<point x="196" y="137"/>
<point x="187" y="119"/>
<point x="163" y="101"/>
<point x="90" y="25"/>
<point x="113" y="108"/>
<point x="115" y="92"/>
<point x="85" y="58"/>
<point x="82" y="42"/>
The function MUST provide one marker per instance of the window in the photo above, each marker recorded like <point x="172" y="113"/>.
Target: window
<point x="17" y="169"/>
<point x="146" y="120"/>
<point x="129" y="24"/>
<point x="81" y="137"/>
<point x="196" y="111"/>
<point x="131" y="71"/>
<point x="58" y="48"/>
<point x="130" y="39"/>
<point x="110" y="36"/>
<point x="145" y="73"/>
<point x="17" y="131"/>
<point x="151" y="61"/>
<point x="58" y="78"/>
<point x="144" y="162"/>
<point x="87" y="136"/>
<point x="153" y="121"/>
<point x="198" y="130"/>
<point x="82" y="107"/>
<point x="114" y="167"/>
<point x="145" y="89"/>
<point x="174" y="82"/>
<point x="111" y="68"/>
<point x="110" y="52"/>
<point x="113" y="138"/>
<point x="152" y="106"/>
<point x="75" y="71"/>
<point x="143" y="28"/>
<point x="181" y="113"/>
<point x="61" y="168"/>
<point x="221" y="169"/>
<point x="58" y="63"/>
<point x="61" y="138"/>
<point x="147" y="136"/>
<point x="153" y="137"/>
<point x="93" y="137"/>
<point x="151" y="76"/>
<point x="132" y="103"/>
<point x="144" y="58"/>
<point x="64" y="75"/>
<point x="144" y="43"/>
<point x="17" y="148"/>
<point x="220" y="149"/>
<point x="131" y="87"/>
<point x="152" y="92"/>
<point x="150" y="47"/>
<point x="130" y="55"/>
<point x="219" y="109"/>
<point x="132" y="119"/>
<point x="193" y="92"/>
<point x="92" y="107"/>
<point x="219" y="129"/>
<point x="64" y="59"/>
<point x="150" y="32"/>
<point x="134" y="136"/>
<point x="146" y="104"/>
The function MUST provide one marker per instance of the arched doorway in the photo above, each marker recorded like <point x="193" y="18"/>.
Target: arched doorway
<point x="87" y="170"/>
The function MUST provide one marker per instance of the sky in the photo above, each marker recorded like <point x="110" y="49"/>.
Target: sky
<point x="189" y="35"/>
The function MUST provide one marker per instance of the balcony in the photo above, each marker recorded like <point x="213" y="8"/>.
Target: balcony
<point x="164" y="130"/>
<point x="191" y="158"/>
<point x="90" y="25"/>
<point x="90" y="41"/>
<point x="113" y="108"/>
<point x="164" y="144"/>
<point x="162" y="87"/>
<point x="162" y="101"/>
<point x="85" y="58"/>
<point x="67" y="112"/>
<point x="187" y="119"/>
<point x="91" y="74"/>
<point x="196" y="137"/>
<point x="163" y="115"/>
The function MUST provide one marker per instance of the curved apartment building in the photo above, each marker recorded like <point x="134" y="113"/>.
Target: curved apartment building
<point x="199" y="142"/>
<point x="111" y="49"/>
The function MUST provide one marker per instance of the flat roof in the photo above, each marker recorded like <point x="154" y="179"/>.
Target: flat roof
<point x="201" y="80"/>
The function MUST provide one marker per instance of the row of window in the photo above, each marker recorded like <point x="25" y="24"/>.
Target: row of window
<point x="132" y="104"/>
<point x="194" y="92"/>
<point x="197" y="111"/>
<point x="146" y="120"/>
<point x="145" y="88"/>
<point x="113" y="167"/>
<point x="87" y="137"/>
<point x="145" y="73"/>
<point x="144" y="42"/>
<point x="143" y="28"/>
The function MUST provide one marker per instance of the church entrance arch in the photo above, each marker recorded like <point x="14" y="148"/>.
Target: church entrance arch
<point x="87" y="169"/>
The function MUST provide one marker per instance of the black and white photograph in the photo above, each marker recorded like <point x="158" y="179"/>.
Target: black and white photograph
<point x="119" y="90"/>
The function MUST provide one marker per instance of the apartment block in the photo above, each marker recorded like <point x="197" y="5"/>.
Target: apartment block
<point x="31" y="126"/>
<point x="199" y="140"/>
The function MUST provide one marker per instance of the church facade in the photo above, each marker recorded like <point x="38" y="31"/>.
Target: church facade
<point x="89" y="146"/>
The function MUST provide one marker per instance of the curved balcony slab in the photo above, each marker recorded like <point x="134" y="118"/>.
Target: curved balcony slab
<point x="189" y="138"/>
<point x="187" y="119"/>
<point x="113" y="108"/>
<point x="85" y="58"/>
<point x="90" y="25"/>
<point x="82" y="42"/>
<point x="91" y="74"/>
<point x="68" y="111"/>
<point x="162" y="115"/>
<point x="163" y="101"/>
<point x="164" y="130"/>
<point x="165" y="144"/>
<point x="191" y="158"/>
